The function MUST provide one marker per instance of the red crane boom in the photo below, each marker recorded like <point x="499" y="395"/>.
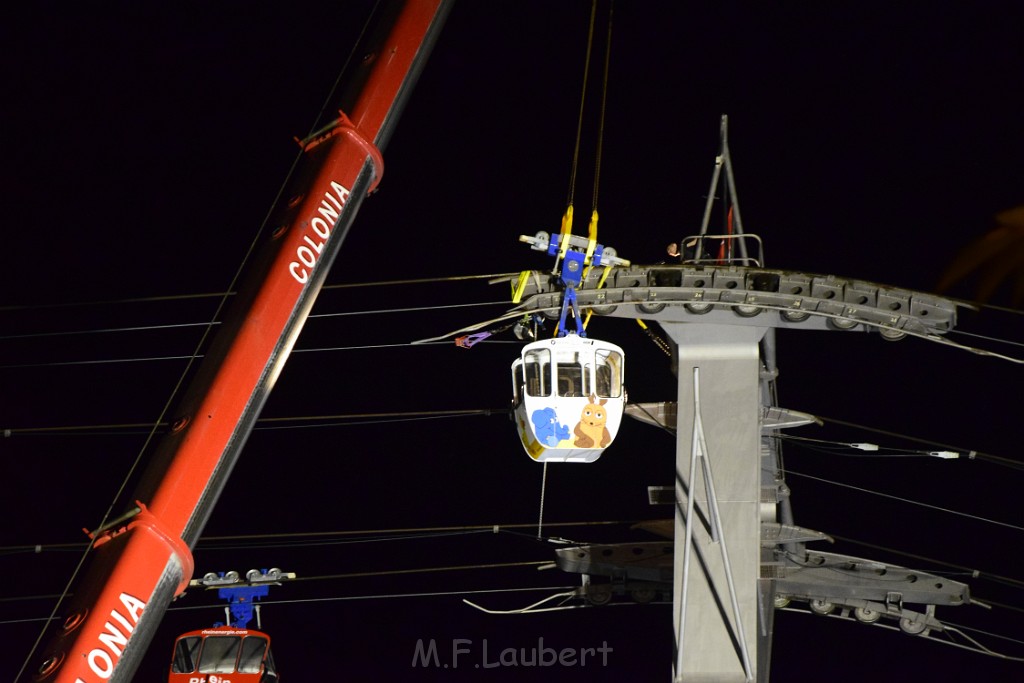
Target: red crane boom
<point x="138" y="567"/>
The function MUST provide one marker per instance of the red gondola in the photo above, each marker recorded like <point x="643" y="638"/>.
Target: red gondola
<point x="232" y="652"/>
<point x="223" y="654"/>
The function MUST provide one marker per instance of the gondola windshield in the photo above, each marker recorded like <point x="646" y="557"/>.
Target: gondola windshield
<point x="224" y="650"/>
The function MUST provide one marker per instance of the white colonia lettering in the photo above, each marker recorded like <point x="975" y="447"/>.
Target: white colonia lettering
<point x="101" y="660"/>
<point x="306" y="255"/>
<point x="101" y="663"/>
<point x="320" y="225"/>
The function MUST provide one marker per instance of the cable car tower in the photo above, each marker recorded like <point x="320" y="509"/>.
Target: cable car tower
<point x="737" y="552"/>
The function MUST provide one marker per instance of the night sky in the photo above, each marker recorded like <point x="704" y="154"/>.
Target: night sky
<point x="142" y="149"/>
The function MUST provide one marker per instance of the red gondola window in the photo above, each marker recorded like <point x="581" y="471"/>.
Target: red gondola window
<point x="253" y="649"/>
<point x="185" y="652"/>
<point x="219" y="655"/>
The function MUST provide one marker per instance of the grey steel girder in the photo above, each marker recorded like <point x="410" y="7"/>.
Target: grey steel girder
<point x="834" y="578"/>
<point x="738" y="295"/>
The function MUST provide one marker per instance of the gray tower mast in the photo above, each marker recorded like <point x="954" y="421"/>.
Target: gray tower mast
<point x="737" y="553"/>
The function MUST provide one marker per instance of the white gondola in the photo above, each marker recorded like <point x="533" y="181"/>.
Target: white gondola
<point x="568" y="397"/>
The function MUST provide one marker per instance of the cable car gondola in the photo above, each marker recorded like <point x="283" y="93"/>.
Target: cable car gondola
<point x="568" y="397"/>
<point x="231" y="652"/>
<point x="223" y="653"/>
<point x="567" y="392"/>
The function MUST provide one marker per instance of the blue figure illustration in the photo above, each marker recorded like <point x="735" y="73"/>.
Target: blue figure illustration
<point x="546" y="426"/>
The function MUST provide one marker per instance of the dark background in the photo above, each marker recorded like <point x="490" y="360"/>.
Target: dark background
<point x="142" y="148"/>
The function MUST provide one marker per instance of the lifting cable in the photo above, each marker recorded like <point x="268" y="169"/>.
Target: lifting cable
<point x="601" y="120"/>
<point x="566" y="228"/>
<point x="580" y="117"/>
<point x="543" y="486"/>
<point x="592" y="236"/>
<point x="567" y="218"/>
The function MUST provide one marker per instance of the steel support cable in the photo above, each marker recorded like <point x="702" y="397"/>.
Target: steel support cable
<point x="964" y="569"/>
<point x="412" y="530"/>
<point x="986" y="337"/>
<point x="411" y="282"/>
<point x="942" y="341"/>
<point x="474" y="529"/>
<point x="994" y="577"/>
<point x="498" y="565"/>
<point x="978" y="305"/>
<point x="399" y="533"/>
<point x="410" y="309"/>
<point x="386" y="418"/>
<point x="964" y="452"/>
<point x="768" y="307"/>
<point x="341" y="419"/>
<point x="356" y="419"/>
<point x="320" y="542"/>
<point x="104" y="330"/>
<point x="968" y="453"/>
<point x="974" y="645"/>
<point x="211" y="295"/>
<point x="424" y="570"/>
<point x="148" y="359"/>
<point x="624" y="302"/>
<point x="948" y="628"/>
<point x="462" y="592"/>
<point x="977" y="518"/>
<point x="112" y="302"/>
<point x="847" y="449"/>
<point x="391" y="596"/>
<point x="382" y="596"/>
<point x="147" y="328"/>
<point x="369" y="574"/>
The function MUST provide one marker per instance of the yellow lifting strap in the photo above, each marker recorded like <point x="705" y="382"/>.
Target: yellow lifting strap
<point x="565" y="234"/>
<point x="520" y="286"/>
<point x="591" y="236"/>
